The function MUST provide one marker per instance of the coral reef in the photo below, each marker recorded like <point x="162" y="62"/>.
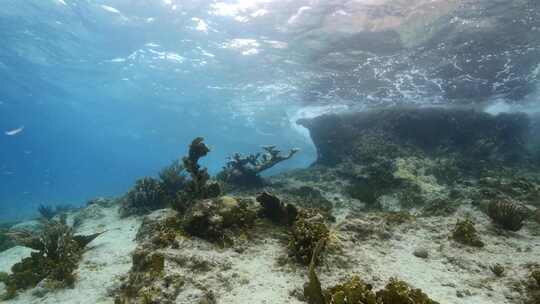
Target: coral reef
<point x="275" y="210"/>
<point x="308" y="230"/>
<point x="507" y="215"/>
<point x="244" y="171"/>
<point x="465" y="233"/>
<point x="58" y="251"/>
<point x="198" y="186"/>
<point x="146" y="195"/>
<point x="219" y="219"/>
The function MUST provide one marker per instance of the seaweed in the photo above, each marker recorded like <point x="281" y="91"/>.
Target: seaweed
<point x="5" y="240"/>
<point x="147" y="195"/>
<point x="275" y="210"/>
<point x="244" y="171"/>
<point x="465" y="233"/>
<point x="58" y="253"/>
<point x="507" y="215"/>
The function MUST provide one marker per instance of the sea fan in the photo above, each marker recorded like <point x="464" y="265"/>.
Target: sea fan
<point x="507" y="215"/>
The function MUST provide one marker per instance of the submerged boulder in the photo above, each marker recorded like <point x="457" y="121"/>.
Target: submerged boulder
<point x="363" y="137"/>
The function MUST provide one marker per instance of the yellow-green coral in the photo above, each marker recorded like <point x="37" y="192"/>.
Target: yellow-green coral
<point x="307" y="231"/>
<point x="354" y="291"/>
<point x="465" y="233"/>
<point x="399" y="292"/>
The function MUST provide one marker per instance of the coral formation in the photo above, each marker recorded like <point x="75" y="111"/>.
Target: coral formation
<point x="507" y="215"/>
<point x="58" y="251"/>
<point x="308" y="230"/>
<point x="217" y="219"/>
<point x="199" y="185"/>
<point x="465" y="233"/>
<point x="275" y="210"/>
<point x="146" y="195"/>
<point x="244" y="171"/>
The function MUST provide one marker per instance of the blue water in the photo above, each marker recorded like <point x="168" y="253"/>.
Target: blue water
<point x="100" y="105"/>
<point x="95" y="94"/>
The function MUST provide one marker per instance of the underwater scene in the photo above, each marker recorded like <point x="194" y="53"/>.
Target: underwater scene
<point x="270" y="152"/>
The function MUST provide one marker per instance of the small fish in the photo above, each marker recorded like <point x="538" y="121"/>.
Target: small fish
<point x="14" y="131"/>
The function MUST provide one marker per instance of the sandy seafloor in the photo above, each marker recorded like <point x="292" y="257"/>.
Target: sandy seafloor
<point x="452" y="273"/>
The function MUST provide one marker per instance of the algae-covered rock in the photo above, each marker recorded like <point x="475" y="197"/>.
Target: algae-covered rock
<point x="218" y="219"/>
<point x="465" y="233"/>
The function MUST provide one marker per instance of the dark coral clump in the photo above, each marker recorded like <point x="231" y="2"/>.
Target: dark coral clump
<point x="466" y="234"/>
<point x="5" y="240"/>
<point x="507" y="215"/>
<point x="307" y="231"/>
<point x="199" y="185"/>
<point x="218" y="219"/>
<point x="58" y="251"/>
<point x="147" y="195"/>
<point x="275" y="210"/>
<point x="173" y="179"/>
<point x="244" y="171"/>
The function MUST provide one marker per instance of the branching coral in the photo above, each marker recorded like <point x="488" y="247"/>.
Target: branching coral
<point x="308" y="230"/>
<point x="147" y="195"/>
<point x="57" y="256"/>
<point x="198" y="187"/>
<point x="244" y="171"/>
<point x="507" y="215"/>
<point x="465" y="233"/>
